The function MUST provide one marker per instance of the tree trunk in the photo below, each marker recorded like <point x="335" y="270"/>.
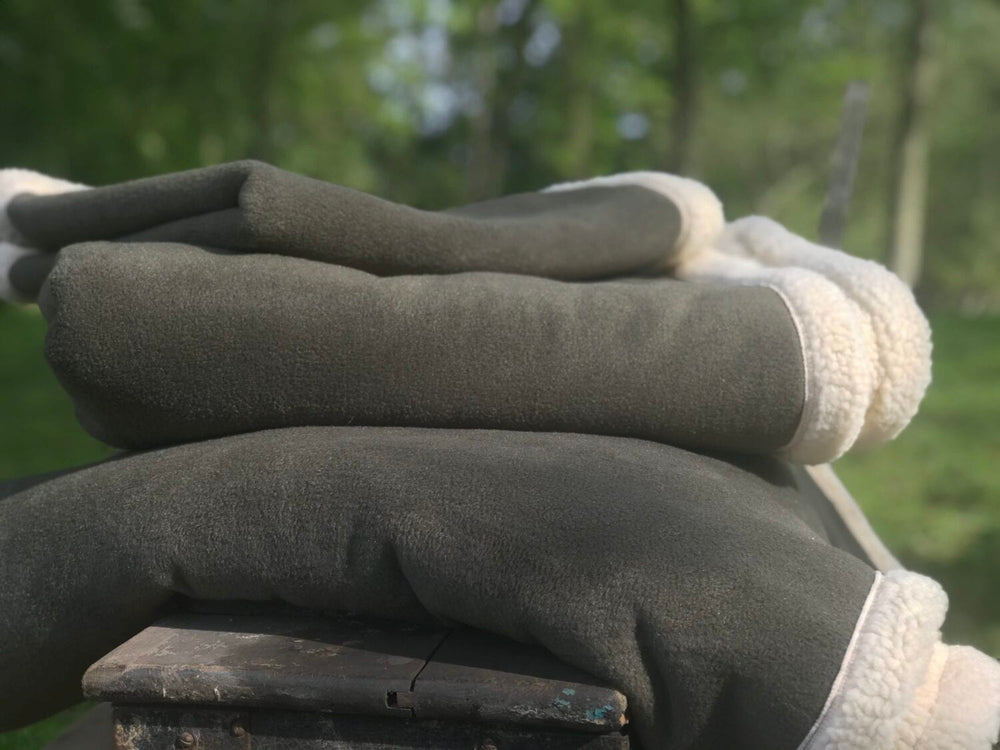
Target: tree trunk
<point x="844" y="165"/>
<point x="911" y="148"/>
<point x="684" y="84"/>
<point x="487" y="166"/>
<point x="267" y="37"/>
<point x="579" y="88"/>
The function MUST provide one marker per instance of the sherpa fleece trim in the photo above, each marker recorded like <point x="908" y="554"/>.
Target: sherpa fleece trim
<point x="899" y="687"/>
<point x="836" y="350"/>
<point x="17" y="181"/>
<point x="702" y="219"/>
<point x="901" y="333"/>
<point x="966" y="713"/>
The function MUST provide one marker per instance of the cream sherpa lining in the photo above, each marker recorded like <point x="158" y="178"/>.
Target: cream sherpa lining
<point x="14" y="182"/>
<point x="899" y="687"/>
<point x="966" y="714"/>
<point x="702" y="219"/>
<point x="902" y="336"/>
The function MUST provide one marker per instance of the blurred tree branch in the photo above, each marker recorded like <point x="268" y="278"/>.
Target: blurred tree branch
<point x="499" y="83"/>
<point x="844" y="164"/>
<point x="911" y="145"/>
<point x="684" y="84"/>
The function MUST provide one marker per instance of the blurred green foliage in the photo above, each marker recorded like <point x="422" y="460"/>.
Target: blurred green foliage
<point x="40" y="734"/>
<point x="438" y="102"/>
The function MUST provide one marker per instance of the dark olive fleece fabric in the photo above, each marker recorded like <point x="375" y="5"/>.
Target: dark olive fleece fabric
<point x="160" y="344"/>
<point x="695" y="585"/>
<point x="249" y="206"/>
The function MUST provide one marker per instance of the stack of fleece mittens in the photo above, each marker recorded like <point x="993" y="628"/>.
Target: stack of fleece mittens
<point x="576" y="417"/>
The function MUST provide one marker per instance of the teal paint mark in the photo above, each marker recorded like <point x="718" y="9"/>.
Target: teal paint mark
<point x="561" y="704"/>
<point x="569" y="691"/>
<point x="598" y="714"/>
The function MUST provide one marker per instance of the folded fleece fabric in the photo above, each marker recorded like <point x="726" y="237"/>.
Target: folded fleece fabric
<point x="249" y="206"/>
<point x="863" y="357"/>
<point x="160" y="343"/>
<point x="706" y="590"/>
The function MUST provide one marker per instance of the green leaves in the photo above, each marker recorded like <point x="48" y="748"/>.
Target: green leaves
<point x="436" y="102"/>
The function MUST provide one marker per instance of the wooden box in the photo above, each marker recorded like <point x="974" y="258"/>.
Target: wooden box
<point x="278" y="682"/>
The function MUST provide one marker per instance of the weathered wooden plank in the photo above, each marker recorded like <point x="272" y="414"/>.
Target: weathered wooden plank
<point x="307" y="664"/>
<point x="311" y="683"/>
<point x="476" y="676"/>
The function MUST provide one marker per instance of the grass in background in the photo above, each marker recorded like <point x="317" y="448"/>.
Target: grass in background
<point x="39" y="735"/>
<point x="932" y="494"/>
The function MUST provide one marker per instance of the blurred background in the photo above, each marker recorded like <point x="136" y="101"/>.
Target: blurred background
<point x="440" y="102"/>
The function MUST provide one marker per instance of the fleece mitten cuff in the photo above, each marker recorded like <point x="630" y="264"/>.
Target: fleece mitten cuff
<point x="897" y="331"/>
<point x="900" y="688"/>
<point x="865" y="343"/>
